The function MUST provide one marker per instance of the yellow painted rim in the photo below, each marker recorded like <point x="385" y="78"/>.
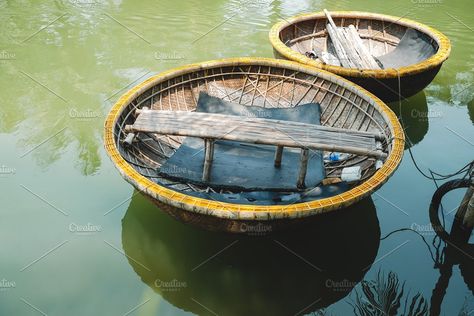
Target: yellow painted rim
<point x="432" y="62"/>
<point x="252" y="212"/>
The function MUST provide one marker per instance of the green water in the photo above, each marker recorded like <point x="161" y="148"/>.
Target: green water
<point x="62" y="66"/>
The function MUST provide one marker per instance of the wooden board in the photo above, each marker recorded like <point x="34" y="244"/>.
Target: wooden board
<point x="257" y="131"/>
<point x="349" y="47"/>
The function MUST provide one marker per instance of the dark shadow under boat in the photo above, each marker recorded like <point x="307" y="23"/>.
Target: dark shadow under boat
<point x="282" y="273"/>
<point x="414" y="117"/>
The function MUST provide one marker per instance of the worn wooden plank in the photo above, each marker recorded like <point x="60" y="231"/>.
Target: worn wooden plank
<point x="349" y="47"/>
<point x="340" y="51"/>
<point x="337" y="37"/>
<point x="330" y="59"/>
<point x="353" y="53"/>
<point x="257" y="131"/>
<point x="360" y="48"/>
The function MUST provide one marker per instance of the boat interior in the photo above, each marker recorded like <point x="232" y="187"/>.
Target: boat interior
<point x="394" y="45"/>
<point x="255" y="91"/>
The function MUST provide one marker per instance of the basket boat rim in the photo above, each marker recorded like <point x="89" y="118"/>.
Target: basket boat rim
<point x="244" y="211"/>
<point x="432" y="62"/>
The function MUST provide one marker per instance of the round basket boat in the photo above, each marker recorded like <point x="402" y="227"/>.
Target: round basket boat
<point x="254" y="82"/>
<point x="409" y="69"/>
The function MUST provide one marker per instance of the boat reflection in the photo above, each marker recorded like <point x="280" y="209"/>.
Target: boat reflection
<point x="470" y="110"/>
<point x="301" y="270"/>
<point x="414" y="116"/>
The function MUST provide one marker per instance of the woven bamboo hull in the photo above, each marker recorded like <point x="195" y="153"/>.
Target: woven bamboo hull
<point x="245" y="227"/>
<point x="387" y="88"/>
<point x="256" y="82"/>
<point x="381" y="34"/>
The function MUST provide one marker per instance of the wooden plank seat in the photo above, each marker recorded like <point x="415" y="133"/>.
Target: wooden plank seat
<point x="213" y="127"/>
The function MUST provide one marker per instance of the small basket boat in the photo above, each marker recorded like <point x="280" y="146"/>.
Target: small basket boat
<point x="412" y="52"/>
<point x="252" y="82"/>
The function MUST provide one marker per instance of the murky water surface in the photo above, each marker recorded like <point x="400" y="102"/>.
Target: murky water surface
<point x="77" y="239"/>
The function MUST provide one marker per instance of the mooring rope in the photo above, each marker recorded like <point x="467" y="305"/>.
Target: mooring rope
<point x="441" y="234"/>
<point x="416" y="232"/>
<point x="466" y="169"/>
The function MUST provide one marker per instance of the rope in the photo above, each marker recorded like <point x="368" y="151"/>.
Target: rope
<point x="436" y="202"/>
<point x="467" y="170"/>
<point x="435" y="176"/>
<point x="412" y="230"/>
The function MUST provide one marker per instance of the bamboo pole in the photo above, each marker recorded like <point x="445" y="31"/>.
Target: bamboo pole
<point x="349" y="47"/>
<point x="303" y="167"/>
<point x="340" y="52"/>
<point x="361" y="49"/>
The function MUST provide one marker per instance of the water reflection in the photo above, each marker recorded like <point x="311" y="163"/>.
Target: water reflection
<point x="64" y="60"/>
<point x="415" y="117"/>
<point x="456" y="250"/>
<point x="387" y="295"/>
<point x="470" y="110"/>
<point x="280" y="274"/>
